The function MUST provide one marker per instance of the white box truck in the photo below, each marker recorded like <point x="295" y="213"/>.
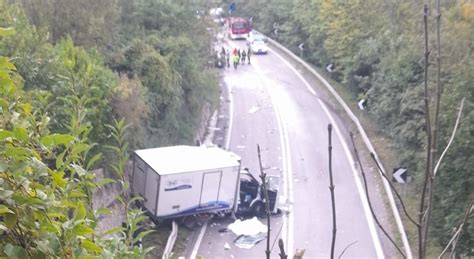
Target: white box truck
<point x="179" y="181"/>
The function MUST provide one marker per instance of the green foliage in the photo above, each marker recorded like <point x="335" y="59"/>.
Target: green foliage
<point x="46" y="192"/>
<point x="456" y="178"/>
<point x="83" y="91"/>
<point x="29" y="47"/>
<point x="159" y="45"/>
<point x="58" y="97"/>
<point x="125" y="248"/>
<point x="43" y="207"/>
<point x="62" y="81"/>
<point x="129" y="99"/>
<point x="90" y="23"/>
<point x="119" y="150"/>
<point x="169" y="63"/>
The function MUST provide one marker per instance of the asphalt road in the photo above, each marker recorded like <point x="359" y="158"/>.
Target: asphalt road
<point x="273" y="106"/>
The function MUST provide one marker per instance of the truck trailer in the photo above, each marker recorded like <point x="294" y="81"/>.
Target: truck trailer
<point x="179" y="181"/>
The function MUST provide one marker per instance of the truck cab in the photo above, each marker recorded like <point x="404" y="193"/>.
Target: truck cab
<point x="252" y="197"/>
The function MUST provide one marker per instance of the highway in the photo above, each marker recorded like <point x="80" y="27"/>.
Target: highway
<point x="273" y="104"/>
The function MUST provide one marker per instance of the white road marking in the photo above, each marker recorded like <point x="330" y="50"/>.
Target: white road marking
<point x="298" y="74"/>
<point x="288" y="229"/>
<point x="198" y="241"/>
<point x="227" y="145"/>
<point x="231" y="113"/>
<point x="365" y="204"/>
<point x="254" y="109"/>
<point x="365" y="138"/>
<point x="368" y="215"/>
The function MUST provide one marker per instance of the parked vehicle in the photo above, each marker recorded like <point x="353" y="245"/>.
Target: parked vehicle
<point x="238" y="28"/>
<point x="219" y="61"/>
<point x="255" y="36"/>
<point x="259" y="47"/>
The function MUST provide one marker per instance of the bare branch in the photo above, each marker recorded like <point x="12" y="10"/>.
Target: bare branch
<point x="452" y="137"/>
<point x="276" y="237"/>
<point x="368" y="198"/>
<point x="331" y="188"/>
<point x="267" y="204"/>
<point x="347" y="247"/>
<point x="457" y="234"/>
<point x="282" y="249"/>
<point x="427" y="183"/>
<point x="439" y="89"/>
<point x="432" y="147"/>
<point x="394" y="190"/>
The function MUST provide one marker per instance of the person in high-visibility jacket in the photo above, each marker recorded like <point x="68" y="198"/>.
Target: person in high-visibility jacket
<point x="235" y="59"/>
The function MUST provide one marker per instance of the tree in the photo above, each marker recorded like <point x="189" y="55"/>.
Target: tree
<point x="130" y="101"/>
<point x="43" y="209"/>
<point x="46" y="184"/>
<point x="90" y="23"/>
<point x="84" y="90"/>
<point x="29" y="48"/>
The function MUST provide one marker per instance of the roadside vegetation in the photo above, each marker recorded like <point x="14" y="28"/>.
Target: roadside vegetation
<point x="75" y="77"/>
<point x="377" y="52"/>
<point x="145" y="61"/>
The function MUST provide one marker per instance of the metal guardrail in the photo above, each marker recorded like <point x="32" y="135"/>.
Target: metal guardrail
<point x="365" y="138"/>
<point x="171" y="240"/>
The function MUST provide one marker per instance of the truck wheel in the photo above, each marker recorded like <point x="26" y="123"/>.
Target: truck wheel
<point x="258" y="209"/>
<point x="190" y="222"/>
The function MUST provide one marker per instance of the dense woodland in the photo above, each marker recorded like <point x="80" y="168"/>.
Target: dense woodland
<point x="142" y="60"/>
<point x="69" y="72"/>
<point x="377" y="49"/>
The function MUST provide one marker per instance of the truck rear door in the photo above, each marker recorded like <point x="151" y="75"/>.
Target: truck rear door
<point x="210" y="187"/>
<point x="152" y="181"/>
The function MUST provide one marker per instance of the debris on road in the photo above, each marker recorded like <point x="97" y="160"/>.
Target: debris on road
<point x="248" y="242"/>
<point x="226" y="246"/>
<point x="254" y="109"/>
<point x="299" y="253"/>
<point x="222" y="230"/>
<point x="284" y="208"/>
<point x="248" y="227"/>
<point x="249" y="232"/>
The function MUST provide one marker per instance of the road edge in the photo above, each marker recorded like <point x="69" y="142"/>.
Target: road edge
<point x="365" y="138"/>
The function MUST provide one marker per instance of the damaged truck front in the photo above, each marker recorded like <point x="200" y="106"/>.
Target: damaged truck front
<point x="179" y="181"/>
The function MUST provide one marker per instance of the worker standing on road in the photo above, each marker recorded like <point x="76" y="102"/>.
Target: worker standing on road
<point x="249" y="51"/>
<point x="227" y="57"/>
<point x="223" y="60"/>
<point x="235" y="59"/>
<point x="243" y="56"/>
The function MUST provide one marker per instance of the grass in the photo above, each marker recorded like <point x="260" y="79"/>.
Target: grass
<point x="159" y="238"/>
